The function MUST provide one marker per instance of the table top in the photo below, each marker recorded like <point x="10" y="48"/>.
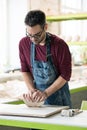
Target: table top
<point x="54" y="121"/>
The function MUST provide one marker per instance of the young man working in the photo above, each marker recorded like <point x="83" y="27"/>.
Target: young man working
<point x="45" y="62"/>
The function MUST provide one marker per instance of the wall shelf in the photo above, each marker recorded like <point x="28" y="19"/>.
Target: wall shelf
<point x="64" y="17"/>
<point x="81" y="43"/>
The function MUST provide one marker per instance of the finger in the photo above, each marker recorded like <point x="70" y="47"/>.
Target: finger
<point x="29" y="97"/>
<point x="44" y="96"/>
<point x="24" y="99"/>
<point x="39" y="99"/>
<point x="34" y="95"/>
<point x="24" y="95"/>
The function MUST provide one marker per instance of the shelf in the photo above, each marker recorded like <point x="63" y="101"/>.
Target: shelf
<point x="63" y="17"/>
<point x="77" y="43"/>
<point x="73" y="16"/>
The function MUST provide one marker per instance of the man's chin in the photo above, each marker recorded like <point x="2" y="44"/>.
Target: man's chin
<point x="36" y="43"/>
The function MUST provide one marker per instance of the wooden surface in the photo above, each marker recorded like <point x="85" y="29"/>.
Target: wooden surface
<point x="23" y="110"/>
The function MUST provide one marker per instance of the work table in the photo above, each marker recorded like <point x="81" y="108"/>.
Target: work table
<point x="55" y="122"/>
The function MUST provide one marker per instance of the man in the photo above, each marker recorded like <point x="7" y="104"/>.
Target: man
<point x="45" y="62"/>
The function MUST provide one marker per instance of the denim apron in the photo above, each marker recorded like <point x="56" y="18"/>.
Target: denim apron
<point x="45" y="74"/>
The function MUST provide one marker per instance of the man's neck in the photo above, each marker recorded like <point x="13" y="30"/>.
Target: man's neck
<point x="42" y="42"/>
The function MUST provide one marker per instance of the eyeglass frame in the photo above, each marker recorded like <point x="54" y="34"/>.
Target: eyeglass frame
<point x="37" y="35"/>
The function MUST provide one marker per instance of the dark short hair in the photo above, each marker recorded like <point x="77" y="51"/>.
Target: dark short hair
<point x="35" y="17"/>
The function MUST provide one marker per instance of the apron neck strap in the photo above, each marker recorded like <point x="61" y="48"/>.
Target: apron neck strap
<point x="48" y="47"/>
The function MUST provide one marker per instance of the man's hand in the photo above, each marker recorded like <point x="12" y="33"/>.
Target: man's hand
<point x="39" y="96"/>
<point x="35" y="96"/>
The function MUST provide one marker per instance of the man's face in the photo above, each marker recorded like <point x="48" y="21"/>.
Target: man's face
<point x="36" y="33"/>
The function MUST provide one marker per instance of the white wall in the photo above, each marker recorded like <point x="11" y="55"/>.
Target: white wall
<point x="3" y="30"/>
<point x="12" y="29"/>
<point x="16" y="13"/>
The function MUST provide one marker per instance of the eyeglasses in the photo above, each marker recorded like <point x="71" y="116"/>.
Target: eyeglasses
<point x="36" y="36"/>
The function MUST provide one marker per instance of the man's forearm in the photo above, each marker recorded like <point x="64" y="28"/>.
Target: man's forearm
<point x="59" y="82"/>
<point x="28" y="80"/>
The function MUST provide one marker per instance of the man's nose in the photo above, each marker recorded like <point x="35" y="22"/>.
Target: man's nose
<point x="32" y="38"/>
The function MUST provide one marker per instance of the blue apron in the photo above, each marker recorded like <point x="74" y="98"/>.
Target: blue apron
<point x="45" y="74"/>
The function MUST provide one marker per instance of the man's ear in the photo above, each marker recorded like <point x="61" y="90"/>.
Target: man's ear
<point x="46" y="26"/>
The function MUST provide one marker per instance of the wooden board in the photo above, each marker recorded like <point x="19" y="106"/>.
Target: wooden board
<point x="23" y="110"/>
